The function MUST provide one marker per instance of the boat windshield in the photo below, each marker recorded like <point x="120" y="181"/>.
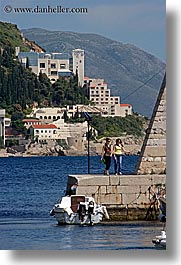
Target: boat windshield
<point x="75" y="201"/>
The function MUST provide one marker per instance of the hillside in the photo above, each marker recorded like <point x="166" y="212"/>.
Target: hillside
<point x="11" y="36"/>
<point x="19" y="86"/>
<point x="124" y="67"/>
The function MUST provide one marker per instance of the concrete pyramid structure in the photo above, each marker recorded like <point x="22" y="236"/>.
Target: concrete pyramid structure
<point x="153" y="153"/>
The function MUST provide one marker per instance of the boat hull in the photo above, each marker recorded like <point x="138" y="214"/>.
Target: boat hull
<point x="160" y="241"/>
<point x="78" y="210"/>
<point x="63" y="218"/>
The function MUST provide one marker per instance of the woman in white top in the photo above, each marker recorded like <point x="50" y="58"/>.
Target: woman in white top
<point x="118" y="151"/>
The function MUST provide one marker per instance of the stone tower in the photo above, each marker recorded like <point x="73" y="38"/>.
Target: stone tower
<point x="78" y="64"/>
<point x="153" y="153"/>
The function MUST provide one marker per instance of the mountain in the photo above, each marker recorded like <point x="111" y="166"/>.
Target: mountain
<point x="124" y="67"/>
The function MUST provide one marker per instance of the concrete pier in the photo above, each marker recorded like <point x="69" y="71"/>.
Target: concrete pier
<point x="127" y="197"/>
<point x="131" y="197"/>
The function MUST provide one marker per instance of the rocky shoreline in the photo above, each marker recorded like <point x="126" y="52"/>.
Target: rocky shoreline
<point x="131" y="144"/>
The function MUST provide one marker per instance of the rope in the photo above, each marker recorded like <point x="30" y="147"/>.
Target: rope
<point x="142" y="84"/>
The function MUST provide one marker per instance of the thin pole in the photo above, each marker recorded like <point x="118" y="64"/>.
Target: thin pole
<point x="88" y="147"/>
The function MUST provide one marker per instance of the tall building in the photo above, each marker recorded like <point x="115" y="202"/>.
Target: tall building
<point x="78" y="64"/>
<point x="100" y="95"/>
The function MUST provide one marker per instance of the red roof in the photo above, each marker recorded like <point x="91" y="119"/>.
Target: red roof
<point x="125" y="105"/>
<point x="44" y="126"/>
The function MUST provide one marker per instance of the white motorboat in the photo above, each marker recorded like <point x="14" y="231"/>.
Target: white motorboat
<point x="160" y="241"/>
<point x="78" y="209"/>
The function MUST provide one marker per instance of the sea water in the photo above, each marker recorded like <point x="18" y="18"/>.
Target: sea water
<point x="29" y="188"/>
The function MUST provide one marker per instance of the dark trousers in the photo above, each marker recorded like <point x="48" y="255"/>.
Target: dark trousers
<point x="107" y="162"/>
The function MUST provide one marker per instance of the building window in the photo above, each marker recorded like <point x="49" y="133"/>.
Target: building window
<point x="53" y="65"/>
<point x="53" y="72"/>
<point x="49" y="117"/>
<point x="37" y="131"/>
<point x="42" y="65"/>
<point x="62" y="66"/>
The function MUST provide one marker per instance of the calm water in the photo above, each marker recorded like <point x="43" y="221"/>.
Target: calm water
<point x="29" y="188"/>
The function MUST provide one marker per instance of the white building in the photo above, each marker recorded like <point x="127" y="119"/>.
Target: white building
<point x="78" y="65"/>
<point x="67" y="130"/>
<point x="126" y="109"/>
<point x="47" y="115"/>
<point x="74" y="135"/>
<point x="44" y="131"/>
<point x="100" y="95"/>
<point x="54" y="64"/>
<point x="29" y="122"/>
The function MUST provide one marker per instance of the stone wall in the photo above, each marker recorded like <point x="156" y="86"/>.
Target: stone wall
<point x="127" y="197"/>
<point x="153" y="153"/>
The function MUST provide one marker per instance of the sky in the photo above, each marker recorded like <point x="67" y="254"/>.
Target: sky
<point x="138" y="22"/>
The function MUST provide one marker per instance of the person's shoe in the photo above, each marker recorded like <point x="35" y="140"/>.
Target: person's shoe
<point x="115" y="174"/>
<point x="120" y="173"/>
<point x="105" y="172"/>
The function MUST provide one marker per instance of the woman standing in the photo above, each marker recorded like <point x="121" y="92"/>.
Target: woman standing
<point x="106" y="155"/>
<point x="118" y="151"/>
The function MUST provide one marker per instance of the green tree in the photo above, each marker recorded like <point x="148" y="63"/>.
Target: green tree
<point x="1" y="143"/>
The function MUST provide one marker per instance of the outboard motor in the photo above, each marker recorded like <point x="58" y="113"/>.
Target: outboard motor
<point x="91" y="207"/>
<point x="81" y="211"/>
